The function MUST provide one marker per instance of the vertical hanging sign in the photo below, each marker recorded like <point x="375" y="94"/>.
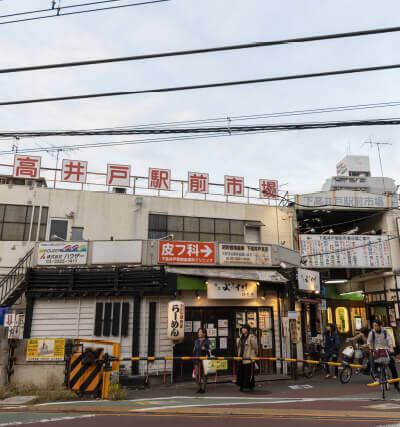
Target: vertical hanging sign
<point x="176" y="320"/>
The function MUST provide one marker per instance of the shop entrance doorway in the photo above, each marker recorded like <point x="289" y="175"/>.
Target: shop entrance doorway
<point x="223" y="327"/>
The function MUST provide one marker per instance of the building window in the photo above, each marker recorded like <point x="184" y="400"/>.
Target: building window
<point x="76" y="233"/>
<point x="21" y="222"/>
<point x="58" y="229"/>
<point x="111" y="319"/>
<point x="342" y="320"/>
<point x="195" y="229"/>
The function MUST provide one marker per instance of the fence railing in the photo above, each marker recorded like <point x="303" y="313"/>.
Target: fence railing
<point x="11" y="284"/>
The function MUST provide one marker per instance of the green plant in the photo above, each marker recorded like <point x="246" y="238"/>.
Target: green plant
<point x="59" y="395"/>
<point x="116" y="392"/>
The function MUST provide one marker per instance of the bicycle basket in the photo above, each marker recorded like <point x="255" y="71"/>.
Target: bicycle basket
<point x="348" y="352"/>
<point x="381" y="357"/>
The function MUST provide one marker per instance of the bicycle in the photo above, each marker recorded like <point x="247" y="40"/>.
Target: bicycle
<point x="315" y="353"/>
<point x="350" y="356"/>
<point x="382" y="361"/>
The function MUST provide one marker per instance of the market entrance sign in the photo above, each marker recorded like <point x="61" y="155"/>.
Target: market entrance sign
<point x="62" y="253"/>
<point x="244" y="254"/>
<point x="171" y="252"/>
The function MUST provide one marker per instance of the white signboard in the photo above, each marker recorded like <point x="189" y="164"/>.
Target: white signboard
<point x="231" y="289"/>
<point x="308" y="280"/>
<point x="344" y="199"/>
<point x="116" y="252"/>
<point x="244" y="254"/>
<point x="292" y="315"/>
<point x="58" y="253"/>
<point x="176" y="320"/>
<point x="345" y="251"/>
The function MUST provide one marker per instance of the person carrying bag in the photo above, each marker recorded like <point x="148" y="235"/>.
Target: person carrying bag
<point x="247" y="348"/>
<point x="201" y="349"/>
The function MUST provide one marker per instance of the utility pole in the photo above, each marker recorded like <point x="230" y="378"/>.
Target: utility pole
<point x="291" y="275"/>
<point x="378" y="144"/>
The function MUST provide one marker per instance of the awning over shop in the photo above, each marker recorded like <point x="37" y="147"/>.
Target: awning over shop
<point x="271" y="276"/>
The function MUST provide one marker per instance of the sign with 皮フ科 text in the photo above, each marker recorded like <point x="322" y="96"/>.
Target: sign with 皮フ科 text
<point x="231" y="289"/>
<point x="345" y="251"/>
<point x="176" y="320"/>
<point x="172" y="252"/>
<point x="59" y="253"/>
<point x="244" y="254"/>
<point x="45" y="349"/>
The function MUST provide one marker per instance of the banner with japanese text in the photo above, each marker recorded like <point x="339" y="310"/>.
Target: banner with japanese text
<point x="45" y="349"/>
<point x="58" y="253"/>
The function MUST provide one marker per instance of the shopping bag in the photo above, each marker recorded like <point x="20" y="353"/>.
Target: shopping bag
<point x="208" y="367"/>
<point x="194" y="373"/>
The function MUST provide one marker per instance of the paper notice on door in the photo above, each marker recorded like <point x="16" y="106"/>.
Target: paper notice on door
<point x="196" y="325"/>
<point x="223" y="343"/>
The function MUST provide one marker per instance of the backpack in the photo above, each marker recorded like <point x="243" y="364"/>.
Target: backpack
<point x="374" y="334"/>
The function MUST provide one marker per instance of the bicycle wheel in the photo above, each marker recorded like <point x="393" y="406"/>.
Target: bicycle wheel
<point x="345" y="375"/>
<point x="308" y="370"/>
<point x="382" y="381"/>
<point x="388" y="376"/>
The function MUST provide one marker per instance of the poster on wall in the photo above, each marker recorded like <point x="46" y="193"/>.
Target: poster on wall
<point x="222" y="323"/>
<point x="188" y="326"/>
<point x="223" y="343"/>
<point x="308" y="280"/>
<point x="244" y="255"/>
<point x="252" y="319"/>
<point x="60" y="253"/>
<point x="223" y="332"/>
<point x="213" y="343"/>
<point x="212" y="332"/>
<point x="45" y="349"/>
<point x="345" y="251"/>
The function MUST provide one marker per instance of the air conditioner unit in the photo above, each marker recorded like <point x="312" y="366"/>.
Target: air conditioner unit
<point x="119" y="190"/>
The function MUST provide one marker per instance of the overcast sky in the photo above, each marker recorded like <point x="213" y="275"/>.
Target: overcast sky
<point x="303" y="159"/>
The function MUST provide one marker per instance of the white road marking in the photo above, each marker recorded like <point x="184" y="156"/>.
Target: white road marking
<point x="45" y="420"/>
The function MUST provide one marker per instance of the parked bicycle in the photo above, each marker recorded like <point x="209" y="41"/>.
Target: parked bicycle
<point x="314" y="353"/>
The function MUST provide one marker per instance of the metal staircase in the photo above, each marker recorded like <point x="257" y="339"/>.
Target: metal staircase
<point x="12" y="285"/>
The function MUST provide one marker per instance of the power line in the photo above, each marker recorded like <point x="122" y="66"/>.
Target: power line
<point x="197" y="51"/>
<point x="251" y="117"/>
<point x="82" y="11"/>
<point x="202" y="130"/>
<point x="204" y="86"/>
<point x="56" y="8"/>
<point x="319" y="227"/>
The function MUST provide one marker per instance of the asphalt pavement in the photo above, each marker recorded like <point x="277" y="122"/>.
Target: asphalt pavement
<point x="290" y="403"/>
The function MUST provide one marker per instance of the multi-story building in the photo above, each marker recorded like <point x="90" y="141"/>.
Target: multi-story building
<point x="90" y="266"/>
<point x="349" y="232"/>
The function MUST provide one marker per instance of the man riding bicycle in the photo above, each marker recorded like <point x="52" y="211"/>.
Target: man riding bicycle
<point x="379" y="338"/>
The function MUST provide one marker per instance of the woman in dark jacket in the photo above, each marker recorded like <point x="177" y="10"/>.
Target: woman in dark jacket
<point x="201" y="349"/>
<point x="331" y="348"/>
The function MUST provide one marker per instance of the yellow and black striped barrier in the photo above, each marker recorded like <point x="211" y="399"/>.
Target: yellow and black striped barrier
<point x="86" y="370"/>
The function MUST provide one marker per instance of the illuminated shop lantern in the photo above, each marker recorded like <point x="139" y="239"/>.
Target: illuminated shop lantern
<point x="176" y="320"/>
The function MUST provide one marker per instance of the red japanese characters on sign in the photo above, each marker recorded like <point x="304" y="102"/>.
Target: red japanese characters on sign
<point x="159" y="179"/>
<point x="234" y="186"/>
<point x="268" y="189"/>
<point x="118" y="175"/>
<point x="198" y="182"/>
<point x="172" y="252"/>
<point x="26" y="166"/>
<point x="74" y="171"/>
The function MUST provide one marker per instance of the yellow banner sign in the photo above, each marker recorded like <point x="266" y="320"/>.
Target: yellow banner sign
<point x="45" y="349"/>
<point x="219" y="365"/>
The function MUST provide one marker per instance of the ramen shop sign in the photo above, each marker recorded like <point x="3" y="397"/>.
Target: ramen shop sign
<point x="176" y="320"/>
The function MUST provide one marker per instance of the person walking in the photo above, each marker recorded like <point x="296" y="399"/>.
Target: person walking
<point x="246" y="348"/>
<point x="331" y="348"/>
<point x="378" y="338"/>
<point x="201" y="349"/>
